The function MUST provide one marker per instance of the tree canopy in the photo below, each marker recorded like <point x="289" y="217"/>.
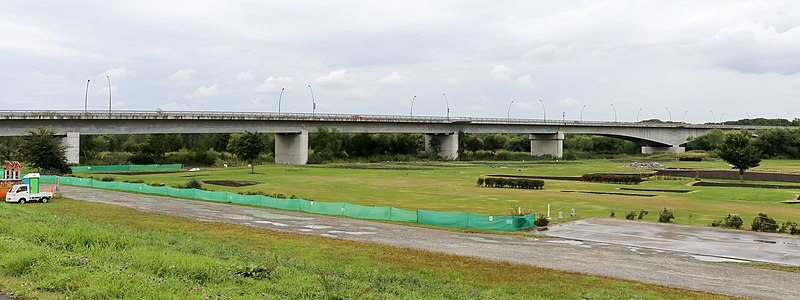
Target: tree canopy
<point x="738" y="150"/>
<point x="248" y="146"/>
<point x="44" y="151"/>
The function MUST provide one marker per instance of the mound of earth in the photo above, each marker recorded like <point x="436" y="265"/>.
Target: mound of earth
<point x="232" y="183"/>
<point x="609" y="193"/>
<point x="568" y="178"/>
<point x="655" y="190"/>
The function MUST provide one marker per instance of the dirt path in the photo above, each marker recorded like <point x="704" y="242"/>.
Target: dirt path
<point x="668" y="268"/>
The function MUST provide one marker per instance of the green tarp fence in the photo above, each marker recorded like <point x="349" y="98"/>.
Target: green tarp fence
<point x="384" y="213"/>
<point x="122" y="168"/>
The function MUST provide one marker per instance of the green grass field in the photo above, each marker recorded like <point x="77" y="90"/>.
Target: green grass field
<point x="75" y="249"/>
<point x="451" y="187"/>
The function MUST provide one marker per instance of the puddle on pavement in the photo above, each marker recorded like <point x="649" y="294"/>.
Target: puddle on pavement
<point x="568" y="242"/>
<point x="272" y="223"/>
<point x="716" y="259"/>
<point x="305" y="230"/>
<point x="269" y="215"/>
<point x="328" y="235"/>
<point x="236" y="217"/>
<point x="482" y="240"/>
<point x="318" y="226"/>
<point x="352" y="232"/>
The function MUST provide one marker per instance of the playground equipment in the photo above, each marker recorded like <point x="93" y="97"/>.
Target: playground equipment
<point x="28" y="191"/>
<point x="11" y="177"/>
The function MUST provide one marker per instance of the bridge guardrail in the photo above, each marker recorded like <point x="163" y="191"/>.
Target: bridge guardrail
<point x="327" y="117"/>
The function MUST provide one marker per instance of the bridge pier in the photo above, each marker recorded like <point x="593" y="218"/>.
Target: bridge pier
<point x="72" y="142"/>
<point x="447" y="143"/>
<point x="291" y="148"/>
<point x="656" y="149"/>
<point x="547" y="144"/>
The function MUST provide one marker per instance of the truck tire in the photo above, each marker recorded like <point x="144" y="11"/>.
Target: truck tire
<point x="21" y="200"/>
<point x="45" y="199"/>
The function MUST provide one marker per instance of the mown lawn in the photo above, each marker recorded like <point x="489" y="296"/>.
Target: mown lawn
<point x="75" y="249"/>
<point x="451" y="187"/>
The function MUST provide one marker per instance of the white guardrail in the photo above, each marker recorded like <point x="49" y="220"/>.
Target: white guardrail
<point x="326" y="117"/>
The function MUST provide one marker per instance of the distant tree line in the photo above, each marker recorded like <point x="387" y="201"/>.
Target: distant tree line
<point x="770" y="143"/>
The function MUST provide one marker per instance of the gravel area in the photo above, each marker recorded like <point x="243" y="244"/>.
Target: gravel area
<point x="665" y="267"/>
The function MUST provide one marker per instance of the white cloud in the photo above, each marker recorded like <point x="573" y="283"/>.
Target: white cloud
<point x="452" y="81"/>
<point x="119" y="73"/>
<point x="394" y="79"/>
<point x="205" y="92"/>
<point x="255" y="104"/>
<point x="500" y="73"/>
<point x="570" y="103"/>
<point x="753" y="47"/>
<point x="182" y="75"/>
<point x="272" y="84"/>
<point x="334" y="78"/>
<point x="244" y="76"/>
<point x="525" y="80"/>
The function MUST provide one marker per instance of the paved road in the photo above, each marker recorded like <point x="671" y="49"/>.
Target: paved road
<point x="735" y="244"/>
<point x="668" y="268"/>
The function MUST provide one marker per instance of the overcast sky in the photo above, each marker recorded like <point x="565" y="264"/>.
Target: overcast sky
<point x="737" y="58"/>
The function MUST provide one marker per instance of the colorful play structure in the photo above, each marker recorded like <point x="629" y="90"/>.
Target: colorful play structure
<point x="12" y="174"/>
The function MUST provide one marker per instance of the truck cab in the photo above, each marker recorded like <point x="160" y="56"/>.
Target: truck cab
<point x="28" y="191"/>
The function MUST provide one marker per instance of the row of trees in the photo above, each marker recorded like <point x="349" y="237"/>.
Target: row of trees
<point x="771" y="143"/>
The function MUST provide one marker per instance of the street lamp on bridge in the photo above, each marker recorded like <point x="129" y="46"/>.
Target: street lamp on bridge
<point x="582" y="108"/>
<point x="280" y="97"/>
<point x="313" y="101"/>
<point x="448" y="105"/>
<point x="615" y="112"/>
<point x="637" y="114"/>
<point x="412" y="105"/>
<point x="109" y="94"/>
<point x="713" y="118"/>
<point x="86" y="98"/>
<point x="684" y="116"/>
<point x="544" y="112"/>
<point x="669" y="112"/>
<point x="508" y="114"/>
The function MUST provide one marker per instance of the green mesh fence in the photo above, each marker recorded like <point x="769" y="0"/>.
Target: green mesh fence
<point x="122" y="168"/>
<point x="384" y="213"/>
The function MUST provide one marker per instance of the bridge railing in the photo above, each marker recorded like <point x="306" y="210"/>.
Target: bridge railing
<point x="323" y="117"/>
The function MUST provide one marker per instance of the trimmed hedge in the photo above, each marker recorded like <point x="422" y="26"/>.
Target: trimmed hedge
<point x="690" y="158"/>
<point x="613" y="178"/>
<point x="514" y="183"/>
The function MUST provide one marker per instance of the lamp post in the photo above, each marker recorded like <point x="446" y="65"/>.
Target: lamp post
<point x="637" y="115"/>
<point x="582" y="108"/>
<point x="615" y="112"/>
<point x="508" y="114"/>
<point x="448" y="105"/>
<point x="412" y="105"/>
<point x="563" y="117"/>
<point x="313" y="101"/>
<point x="721" y="118"/>
<point x="109" y="95"/>
<point x="669" y="112"/>
<point x="544" y="112"/>
<point x="713" y="118"/>
<point x="280" y="97"/>
<point x="684" y="116"/>
<point x="86" y="98"/>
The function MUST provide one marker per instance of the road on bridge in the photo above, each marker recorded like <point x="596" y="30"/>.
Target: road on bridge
<point x="664" y="267"/>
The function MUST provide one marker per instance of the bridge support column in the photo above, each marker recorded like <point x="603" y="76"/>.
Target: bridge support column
<point x="73" y="144"/>
<point x="547" y="144"/>
<point x="656" y="149"/>
<point x="447" y="143"/>
<point x="291" y="148"/>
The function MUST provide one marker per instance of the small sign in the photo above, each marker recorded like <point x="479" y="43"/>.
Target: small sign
<point x="491" y="219"/>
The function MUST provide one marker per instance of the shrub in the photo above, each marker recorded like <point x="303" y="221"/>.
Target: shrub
<point x="666" y="216"/>
<point x="690" y="158"/>
<point x="156" y="184"/>
<point x="643" y="213"/>
<point x="789" y="227"/>
<point x="764" y="223"/>
<point x="516" y="183"/>
<point x="716" y="223"/>
<point x="107" y="179"/>
<point x="613" y="214"/>
<point x="631" y="215"/>
<point x="194" y="184"/>
<point x="613" y="178"/>
<point x="733" y="221"/>
<point x="541" y="221"/>
<point x="133" y="181"/>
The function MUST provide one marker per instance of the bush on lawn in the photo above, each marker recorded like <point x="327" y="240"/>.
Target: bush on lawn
<point x="194" y="184"/>
<point x="631" y="215"/>
<point x="764" y="223"/>
<point x="516" y="183"/>
<point x="666" y="216"/>
<point x="733" y="221"/>
<point x="612" y="178"/>
<point x="789" y="227"/>
<point x="107" y="179"/>
<point x="643" y="213"/>
<point x="541" y="221"/>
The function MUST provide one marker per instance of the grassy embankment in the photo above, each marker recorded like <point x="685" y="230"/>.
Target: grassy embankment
<point x="451" y="187"/>
<point x="86" y="250"/>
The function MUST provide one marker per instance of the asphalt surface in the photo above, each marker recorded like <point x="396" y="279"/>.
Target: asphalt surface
<point x="648" y="260"/>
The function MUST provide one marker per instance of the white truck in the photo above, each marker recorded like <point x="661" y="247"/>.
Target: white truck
<point x="28" y="191"/>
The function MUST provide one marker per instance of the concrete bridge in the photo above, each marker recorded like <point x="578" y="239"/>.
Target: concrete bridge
<point x="291" y="129"/>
